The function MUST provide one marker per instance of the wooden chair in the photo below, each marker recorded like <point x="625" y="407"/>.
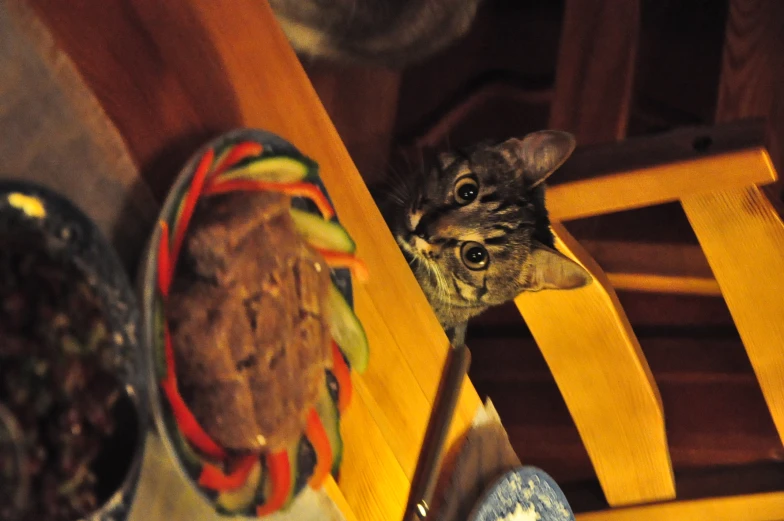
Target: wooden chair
<point x="716" y="174"/>
<point x="584" y="334"/>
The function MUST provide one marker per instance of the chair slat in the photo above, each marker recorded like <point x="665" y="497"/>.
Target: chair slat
<point x="743" y="238"/>
<point x="605" y="380"/>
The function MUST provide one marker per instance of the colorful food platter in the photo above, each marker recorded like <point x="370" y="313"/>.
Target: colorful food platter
<point x="251" y="484"/>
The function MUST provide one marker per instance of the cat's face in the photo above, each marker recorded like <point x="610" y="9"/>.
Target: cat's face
<point x="476" y="227"/>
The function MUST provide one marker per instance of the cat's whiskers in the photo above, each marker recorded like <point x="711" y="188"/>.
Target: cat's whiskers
<point x="440" y="280"/>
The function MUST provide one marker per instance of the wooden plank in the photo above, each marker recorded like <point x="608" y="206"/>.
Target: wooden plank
<point x="752" y="75"/>
<point x="606" y="178"/>
<point x="165" y="97"/>
<point x="655" y="283"/>
<point x="583" y="334"/>
<point x="753" y="507"/>
<point x="661" y="258"/>
<point x="740" y="230"/>
<point x="676" y="146"/>
<point x="592" y="96"/>
<point x="605" y="381"/>
<point x="362" y="104"/>
<point x="658" y="184"/>
<point x="53" y="132"/>
<point x="743" y="239"/>
<point x="259" y="82"/>
<point x="654" y="267"/>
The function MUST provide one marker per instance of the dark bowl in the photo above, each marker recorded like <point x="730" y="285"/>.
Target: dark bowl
<point x="32" y="212"/>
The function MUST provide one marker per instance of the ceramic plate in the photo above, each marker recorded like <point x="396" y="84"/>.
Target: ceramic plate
<point x="152" y="303"/>
<point x="524" y="494"/>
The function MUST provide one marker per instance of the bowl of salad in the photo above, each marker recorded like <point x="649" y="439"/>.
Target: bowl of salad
<point x="71" y="369"/>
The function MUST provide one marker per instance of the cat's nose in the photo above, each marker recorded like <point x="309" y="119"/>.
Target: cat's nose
<point x="421" y="232"/>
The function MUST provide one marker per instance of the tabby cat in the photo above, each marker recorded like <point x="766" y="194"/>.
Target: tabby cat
<point x="374" y="32"/>
<point x="475" y="229"/>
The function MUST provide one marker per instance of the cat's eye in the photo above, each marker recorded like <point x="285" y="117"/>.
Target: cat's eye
<point x="466" y="190"/>
<point x="474" y="256"/>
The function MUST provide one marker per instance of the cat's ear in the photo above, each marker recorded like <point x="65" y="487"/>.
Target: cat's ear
<point x="446" y="159"/>
<point x="541" y="153"/>
<point x="549" y="269"/>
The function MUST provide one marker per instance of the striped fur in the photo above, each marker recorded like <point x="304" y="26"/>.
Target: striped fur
<point x="507" y="218"/>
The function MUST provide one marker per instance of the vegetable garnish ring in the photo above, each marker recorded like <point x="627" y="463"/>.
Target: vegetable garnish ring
<point x="250" y="166"/>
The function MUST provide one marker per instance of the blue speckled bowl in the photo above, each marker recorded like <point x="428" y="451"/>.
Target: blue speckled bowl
<point x="526" y="491"/>
<point x="151" y="303"/>
<point x="67" y="231"/>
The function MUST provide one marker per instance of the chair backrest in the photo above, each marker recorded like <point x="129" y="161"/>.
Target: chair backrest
<point x="584" y="334"/>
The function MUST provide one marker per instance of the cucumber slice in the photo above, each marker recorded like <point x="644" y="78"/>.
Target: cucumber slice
<point x="327" y="409"/>
<point x="240" y="500"/>
<point x="348" y="331"/>
<point x="327" y="235"/>
<point x="276" y="169"/>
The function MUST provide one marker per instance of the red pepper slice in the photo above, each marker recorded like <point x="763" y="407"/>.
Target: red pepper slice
<point x="164" y="263"/>
<point x="337" y="259"/>
<point x="307" y="190"/>
<point x="213" y="478"/>
<point x="317" y="435"/>
<point x="197" y="183"/>
<point x="343" y="375"/>
<point x="234" y="155"/>
<point x="185" y="419"/>
<point x="280" y="476"/>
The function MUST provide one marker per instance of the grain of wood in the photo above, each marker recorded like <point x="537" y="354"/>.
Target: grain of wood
<point x="658" y="184"/>
<point x="661" y="258"/>
<point x="673" y="284"/>
<point x="605" y="381"/>
<point x="592" y="97"/>
<point x="740" y="230"/>
<point x="583" y="334"/>
<point x="153" y="71"/>
<point x="753" y="507"/>
<point x="654" y="267"/>
<point x="54" y="133"/>
<point x="743" y="239"/>
<point x="362" y="104"/>
<point x="752" y="75"/>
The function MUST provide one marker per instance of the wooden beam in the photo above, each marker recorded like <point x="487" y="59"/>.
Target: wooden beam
<point x="592" y="96"/>
<point x="584" y="334"/>
<point x="675" y="284"/>
<point x="739" y="229"/>
<point x="605" y="381"/>
<point x="653" y="170"/>
<point x="743" y="239"/>
<point x="654" y="267"/>
<point x="752" y="507"/>
<point x="362" y="104"/>
<point x="659" y="184"/>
